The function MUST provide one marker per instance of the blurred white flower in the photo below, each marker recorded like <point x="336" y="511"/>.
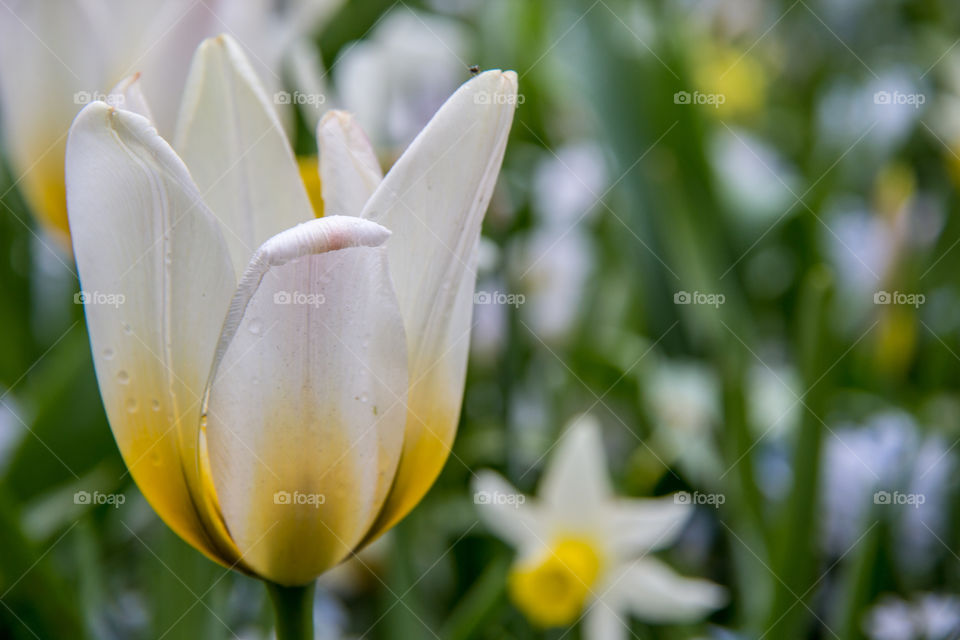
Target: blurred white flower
<point x="841" y="14"/>
<point x="773" y="397"/>
<point x="927" y="616"/>
<point x="857" y="461"/>
<point x="584" y="552"/>
<point x="888" y="454"/>
<point x="54" y="60"/>
<point x="12" y="427"/>
<point x="553" y="264"/>
<point x="567" y="185"/>
<point x="891" y="104"/>
<point x="862" y="248"/>
<point x="754" y="179"/>
<point x="554" y="268"/>
<point x="396" y="78"/>
<point x="931" y="476"/>
<point x="489" y="320"/>
<point x="682" y="398"/>
<point x="890" y="620"/>
<point x="531" y="428"/>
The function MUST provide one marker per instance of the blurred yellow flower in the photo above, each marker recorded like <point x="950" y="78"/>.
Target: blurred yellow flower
<point x="737" y="76"/>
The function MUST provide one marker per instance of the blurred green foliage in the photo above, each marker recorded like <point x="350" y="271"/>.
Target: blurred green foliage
<point x="605" y="73"/>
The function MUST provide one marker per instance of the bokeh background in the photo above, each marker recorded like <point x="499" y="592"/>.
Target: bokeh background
<point x="726" y="228"/>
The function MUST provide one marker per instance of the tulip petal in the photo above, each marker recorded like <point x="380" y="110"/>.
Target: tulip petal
<point x="128" y="95"/>
<point x="434" y="199"/>
<point x="508" y="514"/>
<point x="639" y="526"/>
<point x="45" y="69"/>
<point x="157" y="279"/>
<point x="230" y="137"/>
<point x="307" y="405"/>
<point x="349" y="171"/>
<point x="654" y="592"/>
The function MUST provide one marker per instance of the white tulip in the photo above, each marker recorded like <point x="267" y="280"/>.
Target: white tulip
<point x="283" y="388"/>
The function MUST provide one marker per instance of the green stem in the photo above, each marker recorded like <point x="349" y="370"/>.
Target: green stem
<point x="293" y="610"/>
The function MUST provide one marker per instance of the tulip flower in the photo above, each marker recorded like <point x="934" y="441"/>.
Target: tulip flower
<point x="55" y="58"/>
<point x="283" y="388"/>
<point x="584" y="553"/>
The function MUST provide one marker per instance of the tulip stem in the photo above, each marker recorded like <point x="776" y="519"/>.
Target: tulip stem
<point x="293" y="610"/>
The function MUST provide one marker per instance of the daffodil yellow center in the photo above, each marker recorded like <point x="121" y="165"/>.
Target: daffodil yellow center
<point x="310" y="174"/>
<point x="552" y="590"/>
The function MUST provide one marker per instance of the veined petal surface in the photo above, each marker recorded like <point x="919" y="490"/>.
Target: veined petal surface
<point x="128" y="95"/>
<point x="231" y="139"/>
<point x="349" y="171"/>
<point x="307" y="406"/>
<point x="434" y="199"/>
<point x="157" y="282"/>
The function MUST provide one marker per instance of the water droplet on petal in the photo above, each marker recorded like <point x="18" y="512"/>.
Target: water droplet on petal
<point x="155" y="405"/>
<point x="108" y="354"/>
<point x="255" y="327"/>
<point x="132" y="405"/>
<point x="123" y="377"/>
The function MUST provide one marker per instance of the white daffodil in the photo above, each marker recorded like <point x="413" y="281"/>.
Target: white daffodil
<point x="283" y="388"/>
<point x="55" y="58"/>
<point x="584" y="552"/>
